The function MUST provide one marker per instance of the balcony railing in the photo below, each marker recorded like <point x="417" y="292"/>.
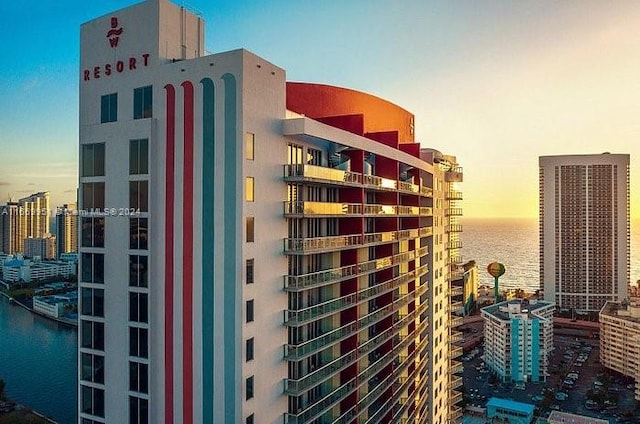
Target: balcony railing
<point x="456" y="244"/>
<point x="455" y="413"/>
<point x="456" y="274"/>
<point x="456" y="367"/>
<point x="455" y="352"/>
<point x="455" y="382"/>
<point x="453" y="195"/>
<point x="453" y="212"/>
<point x="456" y="305"/>
<point x="456" y="291"/>
<point x="456" y="321"/>
<point x="337" y="176"/>
<point x="454" y="398"/>
<point x="303" y="208"/>
<point x="455" y="260"/>
<point x="454" y="228"/>
<point x="456" y="337"/>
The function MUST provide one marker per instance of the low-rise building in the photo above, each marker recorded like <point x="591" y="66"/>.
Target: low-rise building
<point x="17" y="269"/>
<point x="57" y="305"/>
<point x="518" y="339"/>
<point x="620" y="338"/>
<point x="510" y="411"/>
<point x="557" y="417"/>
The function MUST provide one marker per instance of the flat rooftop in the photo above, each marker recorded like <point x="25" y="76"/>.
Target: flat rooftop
<point x="511" y="405"/>
<point x="558" y="417"/>
<point x="526" y="307"/>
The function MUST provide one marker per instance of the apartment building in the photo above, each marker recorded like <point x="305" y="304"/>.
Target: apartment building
<point x="66" y="229"/>
<point x="273" y="251"/>
<point x="584" y="230"/>
<point x="518" y="339"/>
<point x="620" y="339"/>
<point x="41" y="247"/>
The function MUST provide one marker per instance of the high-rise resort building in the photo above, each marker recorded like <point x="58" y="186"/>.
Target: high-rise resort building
<point x="9" y="221"/>
<point x="253" y="250"/>
<point x="620" y="339"/>
<point x="67" y="229"/>
<point x="518" y="339"/>
<point x="584" y="230"/>
<point x="34" y="213"/>
<point x="41" y="247"/>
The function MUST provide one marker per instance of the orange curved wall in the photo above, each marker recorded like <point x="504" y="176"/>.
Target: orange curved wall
<point x="351" y="110"/>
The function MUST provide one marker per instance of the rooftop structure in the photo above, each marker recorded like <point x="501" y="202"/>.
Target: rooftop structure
<point x="557" y="417"/>
<point x="510" y="410"/>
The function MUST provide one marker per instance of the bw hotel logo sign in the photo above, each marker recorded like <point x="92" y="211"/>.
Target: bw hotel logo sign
<point x="110" y="68"/>
<point x="113" y="35"/>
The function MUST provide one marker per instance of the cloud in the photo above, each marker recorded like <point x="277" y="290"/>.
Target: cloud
<point x="4" y="183"/>
<point x="31" y="184"/>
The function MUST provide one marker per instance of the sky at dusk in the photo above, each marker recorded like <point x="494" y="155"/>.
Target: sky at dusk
<point x="496" y="83"/>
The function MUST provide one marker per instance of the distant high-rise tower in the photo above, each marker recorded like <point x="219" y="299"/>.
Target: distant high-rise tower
<point x="9" y="228"/>
<point x="34" y="212"/>
<point x="584" y="229"/>
<point x="67" y="229"/>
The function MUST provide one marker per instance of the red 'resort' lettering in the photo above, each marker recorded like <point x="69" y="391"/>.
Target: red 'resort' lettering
<point x="119" y="66"/>
<point x="132" y="63"/>
<point x="96" y="72"/>
<point x="108" y="69"/>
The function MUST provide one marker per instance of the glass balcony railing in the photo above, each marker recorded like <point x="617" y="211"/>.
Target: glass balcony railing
<point x="304" y="208"/>
<point x="337" y="176"/>
<point x="297" y="387"/>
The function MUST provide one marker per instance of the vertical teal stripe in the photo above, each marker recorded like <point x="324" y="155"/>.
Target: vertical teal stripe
<point x="231" y="178"/>
<point x="515" y="358"/>
<point x="208" y="257"/>
<point x="535" y="350"/>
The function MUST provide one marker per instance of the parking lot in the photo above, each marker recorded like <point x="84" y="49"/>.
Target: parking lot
<point x="575" y="376"/>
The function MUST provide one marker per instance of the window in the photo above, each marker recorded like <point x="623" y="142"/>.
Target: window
<point x="139" y="195"/>
<point x="139" y="156"/>
<point x="249" y="311"/>
<point x="138" y="377"/>
<point x="138" y="271"/>
<point x="92" y="266"/>
<point x="249" y="192"/>
<point x="249" y="349"/>
<point x="249" y="146"/>
<point x="142" y="102"/>
<point x="92" y="335"/>
<point x="314" y="157"/>
<point x="92" y="401"/>
<point x="92" y="232"/>
<point x="138" y="410"/>
<point x="138" y="234"/>
<point x="92" y="160"/>
<point x="109" y="108"/>
<point x="92" y="196"/>
<point x="92" y="302"/>
<point x="249" y="419"/>
<point x="249" y="387"/>
<point x="139" y="307"/>
<point x="250" y="228"/>
<point x="249" y="271"/>
<point x="92" y="368"/>
<point x="139" y="342"/>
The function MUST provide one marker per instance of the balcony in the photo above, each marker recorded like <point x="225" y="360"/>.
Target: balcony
<point x="455" y="352"/>
<point x="456" y="337"/>
<point x="454" y="397"/>
<point x="455" y="260"/>
<point x="454" y="175"/>
<point x="455" y="322"/>
<point x="456" y="274"/>
<point x="453" y="195"/>
<point x="455" y="381"/>
<point x="453" y="212"/>
<point x="455" y="367"/>
<point x="294" y="173"/>
<point x="456" y="291"/>
<point x="456" y="305"/>
<point x="455" y="414"/>
<point x="455" y="244"/>
<point x="335" y="209"/>
<point x="454" y="228"/>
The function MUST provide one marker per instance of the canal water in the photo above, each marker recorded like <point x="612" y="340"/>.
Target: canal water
<point x="38" y="362"/>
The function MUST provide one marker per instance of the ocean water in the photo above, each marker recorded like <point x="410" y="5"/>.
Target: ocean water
<point x="514" y="242"/>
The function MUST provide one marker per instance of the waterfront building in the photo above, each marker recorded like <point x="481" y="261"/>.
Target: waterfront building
<point x="518" y="339"/>
<point x="67" y="229"/>
<point x="16" y="269"/>
<point x="584" y="229"/>
<point x="57" y="305"/>
<point x="34" y="212"/>
<point x="557" y="417"/>
<point x="9" y="234"/>
<point x="40" y="247"/>
<point x="620" y="339"/>
<point x="296" y="240"/>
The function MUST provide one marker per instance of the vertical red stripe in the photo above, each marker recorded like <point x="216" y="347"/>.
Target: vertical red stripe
<point x="187" y="258"/>
<point x="168" y="252"/>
